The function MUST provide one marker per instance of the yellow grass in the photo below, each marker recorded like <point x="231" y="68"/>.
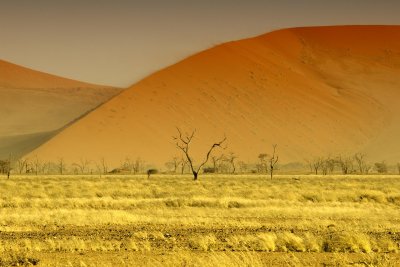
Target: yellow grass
<point x="220" y="220"/>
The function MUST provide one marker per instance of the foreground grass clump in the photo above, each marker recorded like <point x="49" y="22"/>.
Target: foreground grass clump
<point x="223" y="219"/>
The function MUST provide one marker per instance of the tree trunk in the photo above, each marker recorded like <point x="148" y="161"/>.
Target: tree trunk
<point x="195" y="175"/>
<point x="272" y="172"/>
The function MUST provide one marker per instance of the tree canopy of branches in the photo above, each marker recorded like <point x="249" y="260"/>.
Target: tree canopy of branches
<point x="183" y="142"/>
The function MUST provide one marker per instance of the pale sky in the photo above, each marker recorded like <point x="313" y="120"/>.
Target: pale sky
<point x="119" y="42"/>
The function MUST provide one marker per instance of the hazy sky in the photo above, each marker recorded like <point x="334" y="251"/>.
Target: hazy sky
<point x="118" y="42"/>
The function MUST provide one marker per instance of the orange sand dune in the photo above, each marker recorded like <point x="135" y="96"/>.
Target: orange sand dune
<point x="33" y="102"/>
<point x="313" y="91"/>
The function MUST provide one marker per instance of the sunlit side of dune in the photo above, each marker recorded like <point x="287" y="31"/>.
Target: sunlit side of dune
<point x="313" y="91"/>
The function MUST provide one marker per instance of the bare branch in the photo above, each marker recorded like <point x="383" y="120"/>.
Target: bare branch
<point x="209" y="152"/>
<point x="182" y="142"/>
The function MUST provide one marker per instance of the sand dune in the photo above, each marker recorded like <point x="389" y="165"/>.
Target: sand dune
<point x="33" y="102"/>
<point x="313" y="91"/>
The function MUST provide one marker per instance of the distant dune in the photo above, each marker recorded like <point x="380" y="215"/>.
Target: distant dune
<point x="33" y="105"/>
<point x="313" y="91"/>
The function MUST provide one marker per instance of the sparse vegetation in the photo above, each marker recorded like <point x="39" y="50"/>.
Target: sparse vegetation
<point x="237" y="219"/>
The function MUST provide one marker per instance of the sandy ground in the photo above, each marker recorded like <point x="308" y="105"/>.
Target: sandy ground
<point x="221" y="220"/>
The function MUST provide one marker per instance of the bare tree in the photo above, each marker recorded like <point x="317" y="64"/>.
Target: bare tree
<point x="82" y="165"/>
<point x="61" y="165"/>
<point x="104" y="165"/>
<point x="315" y="164"/>
<point x="231" y="159"/>
<point x="183" y="143"/>
<point x="36" y="165"/>
<point x="361" y="164"/>
<point x="381" y="167"/>
<point x="327" y="165"/>
<point x="346" y="164"/>
<point x="216" y="162"/>
<point x="45" y="167"/>
<point x="243" y="166"/>
<point x="398" y="167"/>
<point x="99" y="168"/>
<point x="22" y="164"/>
<point x="138" y="166"/>
<point x="263" y="162"/>
<point x="310" y="165"/>
<point x="330" y="164"/>
<point x="273" y="160"/>
<point x="183" y="164"/>
<point x="9" y="166"/>
<point x="173" y="164"/>
<point x="5" y="167"/>
<point x="127" y="165"/>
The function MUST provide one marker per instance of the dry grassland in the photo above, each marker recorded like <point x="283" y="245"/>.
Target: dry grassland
<point x="221" y="220"/>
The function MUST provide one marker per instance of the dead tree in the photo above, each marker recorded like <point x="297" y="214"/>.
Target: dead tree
<point x="273" y="160"/>
<point x="82" y="165"/>
<point x="346" y="164"/>
<point x="263" y="162"/>
<point x="183" y="143"/>
<point x="243" y="166"/>
<point x="324" y="167"/>
<point x="215" y="161"/>
<point x="173" y="164"/>
<point x="398" y="167"/>
<point x="9" y="166"/>
<point x="315" y="164"/>
<point x="183" y="164"/>
<point x="22" y="165"/>
<point x="138" y="165"/>
<point x="104" y="165"/>
<point x="360" y="160"/>
<point x="61" y="165"/>
<point x="327" y="165"/>
<point x="381" y="167"/>
<point x="37" y="165"/>
<point x="45" y="167"/>
<point x="231" y="159"/>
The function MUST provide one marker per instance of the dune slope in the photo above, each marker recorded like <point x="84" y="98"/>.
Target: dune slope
<point x="32" y="103"/>
<point x="313" y="91"/>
